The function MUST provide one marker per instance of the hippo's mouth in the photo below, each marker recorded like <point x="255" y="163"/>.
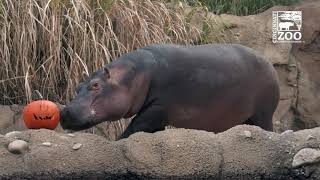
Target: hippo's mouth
<point x="77" y="122"/>
<point x="76" y="126"/>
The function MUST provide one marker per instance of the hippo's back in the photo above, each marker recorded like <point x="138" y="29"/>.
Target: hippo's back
<point x="211" y="82"/>
<point x="207" y="68"/>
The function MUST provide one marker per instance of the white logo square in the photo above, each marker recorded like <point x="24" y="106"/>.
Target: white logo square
<point x="286" y="26"/>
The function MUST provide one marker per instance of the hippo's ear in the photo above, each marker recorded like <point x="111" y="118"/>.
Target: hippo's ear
<point x="106" y="72"/>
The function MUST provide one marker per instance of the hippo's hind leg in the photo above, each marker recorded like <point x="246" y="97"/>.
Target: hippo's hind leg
<point x="268" y="104"/>
<point x="262" y="119"/>
<point x="150" y="120"/>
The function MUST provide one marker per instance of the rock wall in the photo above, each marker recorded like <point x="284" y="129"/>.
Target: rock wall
<point x="298" y="65"/>
<point x="307" y="56"/>
<point x="11" y="118"/>
<point x="243" y="152"/>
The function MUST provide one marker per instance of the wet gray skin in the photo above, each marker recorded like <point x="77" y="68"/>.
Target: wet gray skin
<point x="207" y="87"/>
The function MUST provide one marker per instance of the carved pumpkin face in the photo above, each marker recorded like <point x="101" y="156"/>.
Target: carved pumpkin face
<point x="41" y="114"/>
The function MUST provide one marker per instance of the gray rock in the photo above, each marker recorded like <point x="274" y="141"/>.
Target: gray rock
<point x="48" y="144"/>
<point x="18" y="146"/>
<point x="14" y="134"/>
<point x="6" y="116"/>
<point x="306" y="156"/>
<point x="18" y="135"/>
<point x="76" y="146"/>
<point x="70" y="134"/>
<point x="11" y="118"/>
<point x="247" y="134"/>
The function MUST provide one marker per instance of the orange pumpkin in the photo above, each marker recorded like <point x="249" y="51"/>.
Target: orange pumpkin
<point x="41" y="114"/>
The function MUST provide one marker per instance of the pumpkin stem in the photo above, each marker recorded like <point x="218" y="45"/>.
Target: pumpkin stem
<point x="38" y="94"/>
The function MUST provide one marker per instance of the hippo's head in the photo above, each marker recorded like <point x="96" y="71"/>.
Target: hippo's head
<point x="100" y="98"/>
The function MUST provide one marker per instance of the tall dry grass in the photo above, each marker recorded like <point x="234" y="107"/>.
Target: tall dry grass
<point x="48" y="45"/>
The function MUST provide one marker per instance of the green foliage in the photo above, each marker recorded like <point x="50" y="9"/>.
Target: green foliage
<point x="239" y="7"/>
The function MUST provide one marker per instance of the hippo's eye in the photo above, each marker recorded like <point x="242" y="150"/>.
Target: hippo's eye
<point x="95" y="85"/>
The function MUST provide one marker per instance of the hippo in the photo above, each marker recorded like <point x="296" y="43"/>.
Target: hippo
<point x="210" y="87"/>
<point x="285" y="25"/>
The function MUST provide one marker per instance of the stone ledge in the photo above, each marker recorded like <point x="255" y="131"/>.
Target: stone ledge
<point x="243" y="151"/>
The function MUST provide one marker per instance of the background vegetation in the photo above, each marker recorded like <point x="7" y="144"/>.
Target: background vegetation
<point x="49" y="44"/>
<point x="239" y="7"/>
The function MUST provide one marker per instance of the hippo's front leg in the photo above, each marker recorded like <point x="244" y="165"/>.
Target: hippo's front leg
<point x="150" y="120"/>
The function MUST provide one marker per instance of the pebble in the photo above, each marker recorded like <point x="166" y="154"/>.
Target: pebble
<point x="13" y="134"/>
<point x="48" y="144"/>
<point x="76" y="146"/>
<point x="18" y="146"/>
<point x="247" y="134"/>
<point x="306" y="156"/>
<point x="70" y="134"/>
